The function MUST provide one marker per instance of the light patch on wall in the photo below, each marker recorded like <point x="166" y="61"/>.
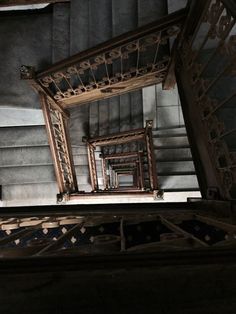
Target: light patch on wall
<point x="24" y="7"/>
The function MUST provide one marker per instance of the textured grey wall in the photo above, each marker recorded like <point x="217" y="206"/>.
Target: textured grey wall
<point x="25" y="39"/>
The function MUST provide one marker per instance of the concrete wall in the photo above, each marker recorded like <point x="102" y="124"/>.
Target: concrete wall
<point x="25" y="39"/>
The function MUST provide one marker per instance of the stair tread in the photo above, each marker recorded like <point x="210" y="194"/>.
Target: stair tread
<point x="23" y="136"/>
<point x="176" y="173"/>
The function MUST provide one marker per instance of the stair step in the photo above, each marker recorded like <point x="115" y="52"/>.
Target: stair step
<point x="103" y="117"/>
<point x="23" y="136"/>
<point x="93" y="119"/>
<point x="14" y="117"/>
<point x="125" y="112"/>
<point x="79" y="124"/>
<point x="165" y="142"/>
<point x="178" y="182"/>
<point x="176" y="173"/>
<point x="23" y="156"/>
<point x="34" y="156"/>
<point x="136" y="109"/>
<point x="21" y="175"/>
<point x="124" y="16"/>
<point x="177" y="166"/>
<point x="79" y="9"/>
<point x="176" y="5"/>
<point x="80" y="160"/>
<point x="38" y="174"/>
<point x="163" y="135"/>
<point x="33" y="191"/>
<point x="79" y="149"/>
<point x="186" y="189"/>
<point x="84" y="170"/>
<point x="169" y="131"/>
<point x="32" y="47"/>
<point x="150" y="10"/>
<point x="171" y="147"/>
<point x="173" y="154"/>
<point x="114" y="114"/>
<point x="61" y="31"/>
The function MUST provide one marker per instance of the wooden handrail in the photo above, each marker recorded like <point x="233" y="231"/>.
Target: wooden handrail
<point x="161" y="24"/>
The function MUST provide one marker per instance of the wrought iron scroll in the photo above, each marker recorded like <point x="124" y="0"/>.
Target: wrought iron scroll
<point x="209" y="57"/>
<point x="130" y="61"/>
<point x="57" y="130"/>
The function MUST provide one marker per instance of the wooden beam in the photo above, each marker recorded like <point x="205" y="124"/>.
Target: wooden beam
<point x="8" y="3"/>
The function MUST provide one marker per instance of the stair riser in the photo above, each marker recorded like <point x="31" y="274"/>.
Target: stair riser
<point x="173" y="154"/>
<point x="25" y="156"/>
<point x="171" y="142"/>
<point x="178" y="182"/>
<point x="36" y="191"/>
<point x="178" y="166"/>
<point x="40" y="174"/>
<point x="23" y="136"/>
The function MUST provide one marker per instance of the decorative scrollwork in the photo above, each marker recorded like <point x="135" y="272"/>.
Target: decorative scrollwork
<point x="213" y="43"/>
<point x="72" y="70"/>
<point x="173" y="31"/>
<point x="59" y="96"/>
<point x="153" y="39"/>
<point x="200" y="88"/>
<point x="85" y="65"/>
<point x="214" y="12"/>
<point x="58" y="77"/>
<point x="215" y="127"/>
<point x="100" y="59"/>
<point x="195" y="72"/>
<point x="27" y="72"/>
<point x="131" y="57"/>
<point x="227" y="179"/>
<point x="46" y="81"/>
<point x="132" y="47"/>
<point x="113" y="55"/>
<point x="68" y="93"/>
<point x="229" y="48"/>
<point x="225" y="24"/>
<point x="207" y="105"/>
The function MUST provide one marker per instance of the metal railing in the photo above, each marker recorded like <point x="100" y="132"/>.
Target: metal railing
<point x="59" y="142"/>
<point x="133" y="60"/>
<point x="207" y="64"/>
<point x="58" y="235"/>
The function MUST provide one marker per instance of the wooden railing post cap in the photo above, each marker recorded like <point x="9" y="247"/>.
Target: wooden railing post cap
<point x="149" y="123"/>
<point x="84" y="139"/>
<point x="27" y="72"/>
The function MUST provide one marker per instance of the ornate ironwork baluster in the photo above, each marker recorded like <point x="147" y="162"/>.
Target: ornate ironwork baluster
<point x="57" y="130"/>
<point x="92" y="166"/>
<point x="134" y="58"/>
<point x="151" y="157"/>
<point x="209" y="80"/>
